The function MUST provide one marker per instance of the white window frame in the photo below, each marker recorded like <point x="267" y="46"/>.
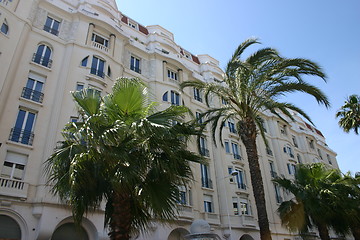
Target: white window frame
<point x="16" y="160"/>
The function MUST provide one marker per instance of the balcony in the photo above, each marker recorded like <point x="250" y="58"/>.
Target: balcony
<point x="204" y="152"/>
<point x="13" y="188"/>
<point x="206" y="183"/>
<point x="269" y="152"/>
<point x="97" y="72"/>
<point x="21" y="136"/>
<point x="100" y="46"/>
<point x="33" y="95"/>
<point x="44" y="61"/>
<point x="51" y="30"/>
<point x="241" y="186"/>
<point x="237" y="156"/>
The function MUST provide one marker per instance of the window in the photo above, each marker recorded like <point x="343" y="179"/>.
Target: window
<point x="33" y="89"/>
<point x="224" y="102"/>
<point x="109" y="71"/>
<point x="43" y="56"/>
<point x="99" y="41"/>
<point x="14" y="166"/>
<point x="132" y="24"/>
<point x="208" y="206"/>
<point x="319" y="153"/>
<point x="175" y="98"/>
<point x="277" y="193"/>
<point x="79" y="86"/>
<point x="135" y="64"/>
<point x="235" y="149"/>
<point x="84" y="61"/>
<point x="294" y="141"/>
<point x="74" y="119"/>
<point x="172" y="75"/>
<point x="244" y="207"/>
<point x="269" y="151"/>
<point x="231" y="125"/>
<point x="23" y="129"/>
<point x="205" y="176"/>
<point x="291" y="168"/>
<point x="328" y="158"/>
<point x="227" y="147"/>
<point x="311" y="144"/>
<point x="97" y="67"/>
<point x="235" y="206"/>
<point x="263" y="124"/>
<point x="199" y="118"/>
<point x="4" y="27"/>
<point x="298" y="158"/>
<point x="203" y="147"/>
<point x="183" y="196"/>
<point x="165" y="97"/>
<point x="240" y="179"/>
<point x="197" y="94"/>
<point x="52" y="26"/>
<point x="272" y="169"/>
<point x="289" y="151"/>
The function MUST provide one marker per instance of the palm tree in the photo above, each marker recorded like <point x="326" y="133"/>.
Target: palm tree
<point x="322" y="197"/>
<point x="249" y="87"/>
<point x="125" y="153"/>
<point x="349" y="114"/>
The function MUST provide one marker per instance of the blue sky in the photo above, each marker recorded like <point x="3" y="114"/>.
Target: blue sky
<point x="325" y="31"/>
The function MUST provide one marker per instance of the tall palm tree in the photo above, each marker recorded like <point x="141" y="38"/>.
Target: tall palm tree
<point x="125" y="153"/>
<point x="349" y="114"/>
<point x="249" y="87"/>
<point x="322" y="197"/>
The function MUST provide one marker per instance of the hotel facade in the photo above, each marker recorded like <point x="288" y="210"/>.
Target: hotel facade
<point x="49" y="48"/>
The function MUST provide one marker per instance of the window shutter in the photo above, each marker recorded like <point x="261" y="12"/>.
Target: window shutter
<point x="16" y="158"/>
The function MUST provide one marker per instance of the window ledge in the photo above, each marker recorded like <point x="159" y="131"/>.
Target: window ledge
<point x="30" y="101"/>
<point x="207" y="189"/>
<point x="39" y="65"/>
<point x="19" y="145"/>
<point x="97" y="79"/>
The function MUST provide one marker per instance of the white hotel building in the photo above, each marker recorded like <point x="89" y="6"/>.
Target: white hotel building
<point x="51" y="47"/>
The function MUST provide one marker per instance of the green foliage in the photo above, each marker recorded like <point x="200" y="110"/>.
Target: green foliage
<point x="123" y="145"/>
<point x="349" y="114"/>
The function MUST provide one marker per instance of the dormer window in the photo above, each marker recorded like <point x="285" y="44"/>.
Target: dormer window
<point x="132" y="24"/>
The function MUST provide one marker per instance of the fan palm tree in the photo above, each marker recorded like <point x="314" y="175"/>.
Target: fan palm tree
<point x="349" y="114"/>
<point x="249" y="87"/>
<point x="125" y="153"/>
<point x="322" y="197"/>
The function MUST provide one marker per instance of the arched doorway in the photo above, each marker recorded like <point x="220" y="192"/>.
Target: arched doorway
<point x="9" y="228"/>
<point x="69" y="231"/>
<point x="246" y="237"/>
<point x="178" y="234"/>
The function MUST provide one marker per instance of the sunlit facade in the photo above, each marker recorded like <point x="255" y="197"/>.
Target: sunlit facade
<point x="51" y="47"/>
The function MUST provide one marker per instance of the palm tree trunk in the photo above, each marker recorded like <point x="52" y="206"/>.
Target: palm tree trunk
<point x="248" y="133"/>
<point x="323" y="231"/>
<point x="356" y="232"/>
<point x="120" y="222"/>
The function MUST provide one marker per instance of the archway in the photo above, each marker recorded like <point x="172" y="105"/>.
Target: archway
<point x="246" y="237"/>
<point x="178" y="234"/>
<point x="69" y="231"/>
<point x="9" y="228"/>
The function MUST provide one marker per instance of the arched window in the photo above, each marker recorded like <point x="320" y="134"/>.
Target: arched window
<point x="68" y="231"/>
<point x="9" y="228"/>
<point x="84" y="61"/>
<point x="43" y="56"/>
<point x="298" y="158"/>
<point x="165" y="97"/>
<point x="5" y="27"/>
<point x="175" y="98"/>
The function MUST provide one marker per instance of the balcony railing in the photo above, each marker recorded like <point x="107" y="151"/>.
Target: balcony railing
<point x="206" y="183"/>
<point x="291" y="155"/>
<point x="33" y="95"/>
<point x="21" y="136"/>
<point x="51" y="30"/>
<point x="97" y="72"/>
<point x="241" y="186"/>
<point x="100" y="46"/>
<point x="198" y="98"/>
<point x="14" y="188"/>
<point x="233" y="130"/>
<point x="135" y="69"/>
<point x="204" y="152"/>
<point x="279" y="199"/>
<point x="237" y="156"/>
<point x="45" y="61"/>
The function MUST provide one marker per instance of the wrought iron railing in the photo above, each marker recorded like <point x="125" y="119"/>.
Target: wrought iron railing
<point x="40" y="59"/>
<point x="206" y="183"/>
<point x="97" y="72"/>
<point x="33" y="95"/>
<point x="51" y="30"/>
<point x="21" y="136"/>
